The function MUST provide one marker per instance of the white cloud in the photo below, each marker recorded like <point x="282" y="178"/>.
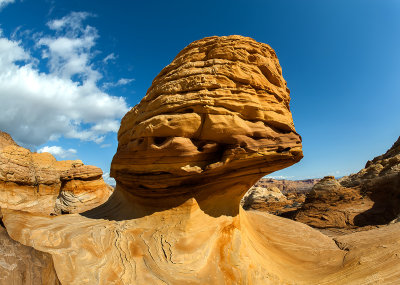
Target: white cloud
<point x="4" y="3"/>
<point x="109" y="57"/>
<point x="109" y="180"/>
<point x="122" y="81"/>
<point x="38" y="106"/>
<point x="106" y="145"/>
<point x="58" y="151"/>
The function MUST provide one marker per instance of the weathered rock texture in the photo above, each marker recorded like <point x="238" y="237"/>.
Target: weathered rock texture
<point x="220" y="109"/>
<point x="268" y="199"/>
<point x="368" y="198"/>
<point x="330" y="205"/>
<point x="214" y="121"/>
<point x="21" y="264"/>
<point x="278" y="197"/>
<point x="379" y="181"/>
<point x="37" y="182"/>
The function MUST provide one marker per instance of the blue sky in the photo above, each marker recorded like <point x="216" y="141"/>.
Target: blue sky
<point x="69" y="70"/>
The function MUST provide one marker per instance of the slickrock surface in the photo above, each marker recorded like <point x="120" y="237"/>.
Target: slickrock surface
<point x="37" y="182"/>
<point x="214" y="122"/>
<point x="21" y="264"/>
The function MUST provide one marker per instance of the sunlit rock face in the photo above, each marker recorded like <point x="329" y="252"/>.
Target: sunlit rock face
<point x="219" y="111"/>
<point x="213" y="122"/>
<point x="38" y="183"/>
<point x="21" y="264"/>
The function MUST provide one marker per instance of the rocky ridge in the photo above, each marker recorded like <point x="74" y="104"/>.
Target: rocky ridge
<point x="359" y="201"/>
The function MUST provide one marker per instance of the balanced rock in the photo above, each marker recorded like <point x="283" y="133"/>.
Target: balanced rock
<point x="219" y="111"/>
<point x="213" y="122"/>
<point x="37" y="182"/>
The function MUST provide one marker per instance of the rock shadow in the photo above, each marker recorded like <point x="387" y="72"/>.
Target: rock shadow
<point x="385" y="193"/>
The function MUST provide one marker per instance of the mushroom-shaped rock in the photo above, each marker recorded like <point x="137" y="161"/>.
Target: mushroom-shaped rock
<point x="218" y="115"/>
<point x="213" y="122"/>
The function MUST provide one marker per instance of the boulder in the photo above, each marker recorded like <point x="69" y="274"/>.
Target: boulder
<point x="262" y="196"/>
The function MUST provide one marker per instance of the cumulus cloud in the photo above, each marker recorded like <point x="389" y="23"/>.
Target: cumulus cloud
<point x="38" y="106"/>
<point x="3" y="3"/>
<point x="58" y="151"/>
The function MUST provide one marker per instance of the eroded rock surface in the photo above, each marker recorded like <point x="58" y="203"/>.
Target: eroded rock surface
<point x="37" y="182"/>
<point x="288" y="186"/>
<point x="269" y="199"/>
<point x="359" y="201"/>
<point x="21" y="264"/>
<point x="221" y="108"/>
<point x="213" y="122"/>
<point x="330" y="205"/>
<point x="278" y="197"/>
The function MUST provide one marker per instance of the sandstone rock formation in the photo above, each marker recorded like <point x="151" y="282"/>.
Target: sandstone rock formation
<point x="37" y="182"/>
<point x="368" y="198"/>
<point x="21" y="264"/>
<point x="264" y="196"/>
<point x="268" y="199"/>
<point x="213" y="122"/>
<point x="330" y="205"/>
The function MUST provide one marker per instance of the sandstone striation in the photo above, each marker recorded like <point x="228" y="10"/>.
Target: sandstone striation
<point x="37" y="182"/>
<point x="213" y="122"/>
<point x="220" y="109"/>
<point x="21" y="264"/>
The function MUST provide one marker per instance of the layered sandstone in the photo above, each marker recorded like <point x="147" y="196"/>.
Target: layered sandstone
<point x="213" y="122"/>
<point x="278" y="197"/>
<point x="267" y="199"/>
<point x="37" y="182"/>
<point x="220" y="109"/>
<point x="330" y="205"/>
<point x="21" y="264"/>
